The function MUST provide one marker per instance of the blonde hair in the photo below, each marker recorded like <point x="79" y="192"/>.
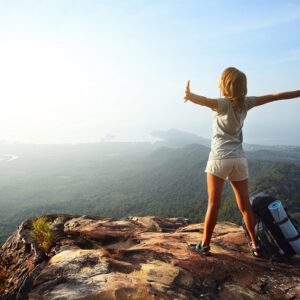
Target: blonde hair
<point x="233" y="85"/>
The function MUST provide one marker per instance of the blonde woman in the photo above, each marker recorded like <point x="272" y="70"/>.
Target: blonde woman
<point x="227" y="158"/>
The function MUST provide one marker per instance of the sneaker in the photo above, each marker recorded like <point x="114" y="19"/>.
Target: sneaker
<point x="203" y="250"/>
<point x="255" y="251"/>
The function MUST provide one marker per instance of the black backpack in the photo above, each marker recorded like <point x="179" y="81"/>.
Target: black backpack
<point x="271" y="241"/>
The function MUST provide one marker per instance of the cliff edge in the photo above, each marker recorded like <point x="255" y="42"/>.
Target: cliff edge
<point x="96" y="257"/>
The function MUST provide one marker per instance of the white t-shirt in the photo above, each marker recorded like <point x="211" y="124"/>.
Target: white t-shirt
<point x="227" y="136"/>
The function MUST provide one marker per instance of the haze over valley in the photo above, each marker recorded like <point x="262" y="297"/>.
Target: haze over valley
<point x="165" y="178"/>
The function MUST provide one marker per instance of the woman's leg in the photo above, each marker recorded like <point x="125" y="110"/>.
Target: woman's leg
<point x="214" y="189"/>
<point x="240" y="189"/>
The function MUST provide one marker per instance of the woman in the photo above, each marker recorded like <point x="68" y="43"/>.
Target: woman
<point x="227" y="158"/>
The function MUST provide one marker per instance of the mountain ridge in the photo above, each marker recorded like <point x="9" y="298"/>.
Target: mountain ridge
<point x="154" y="181"/>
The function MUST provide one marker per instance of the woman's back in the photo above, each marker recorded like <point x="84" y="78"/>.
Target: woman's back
<point x="227" y="129"/>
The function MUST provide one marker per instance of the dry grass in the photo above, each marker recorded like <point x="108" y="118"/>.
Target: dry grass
<point x="44" y="234"/>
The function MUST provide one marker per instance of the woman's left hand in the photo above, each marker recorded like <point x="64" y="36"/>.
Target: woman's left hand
<point x="187" y="92"/>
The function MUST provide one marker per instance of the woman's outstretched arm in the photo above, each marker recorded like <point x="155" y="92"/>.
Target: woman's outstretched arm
<point x="201" y="100"/>
<point x="274" y="97"/>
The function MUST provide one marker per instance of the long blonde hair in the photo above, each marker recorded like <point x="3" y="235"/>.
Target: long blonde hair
<point x="233" y="85"/>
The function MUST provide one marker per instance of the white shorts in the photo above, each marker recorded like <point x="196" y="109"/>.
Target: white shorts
<point x="233" y="169"/>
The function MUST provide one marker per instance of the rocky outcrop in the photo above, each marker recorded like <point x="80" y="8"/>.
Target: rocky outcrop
<point x="139" y="258"/>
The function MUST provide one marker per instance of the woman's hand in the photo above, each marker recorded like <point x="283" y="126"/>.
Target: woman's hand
<point x="201" y="100"/>
<point x="187" y="92"/>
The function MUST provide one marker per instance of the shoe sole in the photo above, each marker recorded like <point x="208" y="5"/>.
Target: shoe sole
<point x="192" y="248"/>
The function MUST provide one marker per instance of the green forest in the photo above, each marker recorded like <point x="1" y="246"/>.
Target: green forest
<point x="131" y="179"/>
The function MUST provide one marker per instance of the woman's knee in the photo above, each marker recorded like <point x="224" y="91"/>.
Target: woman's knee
<point x="214" y="205"/>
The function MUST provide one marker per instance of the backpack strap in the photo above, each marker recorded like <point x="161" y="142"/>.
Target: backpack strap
<point x="295" y="238"/>
<point x="267" y="243"/>
<point x="286" y="219"/>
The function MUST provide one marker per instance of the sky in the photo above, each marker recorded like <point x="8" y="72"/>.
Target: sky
<point x="87" y="71"/>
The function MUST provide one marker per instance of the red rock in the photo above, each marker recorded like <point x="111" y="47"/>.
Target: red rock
<point x="139" y="258"/>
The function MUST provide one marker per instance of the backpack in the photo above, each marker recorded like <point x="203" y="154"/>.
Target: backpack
<point x="276" y="232"/>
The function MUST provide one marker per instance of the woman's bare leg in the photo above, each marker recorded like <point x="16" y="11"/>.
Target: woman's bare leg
<point x="214" y="189"/>
<point x="240" y="189"/>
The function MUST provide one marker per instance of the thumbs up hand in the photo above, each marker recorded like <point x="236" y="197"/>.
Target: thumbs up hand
<point x="187" y="92"/>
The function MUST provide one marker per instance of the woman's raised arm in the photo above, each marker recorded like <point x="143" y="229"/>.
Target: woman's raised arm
<point x="260" y="100"/>
<point x="201" y="100"/>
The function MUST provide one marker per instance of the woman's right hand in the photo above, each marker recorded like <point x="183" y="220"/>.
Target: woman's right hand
<point x="187" y="92"/>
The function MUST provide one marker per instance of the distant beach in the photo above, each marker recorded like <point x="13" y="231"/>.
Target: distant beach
<point x="8" y="157"/>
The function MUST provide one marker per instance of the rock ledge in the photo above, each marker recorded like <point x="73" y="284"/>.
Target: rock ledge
<point x="139" y="258"/>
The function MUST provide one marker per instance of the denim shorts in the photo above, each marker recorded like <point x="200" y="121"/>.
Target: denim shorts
<point x="233" y="169"/>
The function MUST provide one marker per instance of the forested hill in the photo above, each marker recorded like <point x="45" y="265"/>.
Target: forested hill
<point x="124" y="179"/>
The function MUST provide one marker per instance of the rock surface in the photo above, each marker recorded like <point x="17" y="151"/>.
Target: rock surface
<point x="139" y="258"/>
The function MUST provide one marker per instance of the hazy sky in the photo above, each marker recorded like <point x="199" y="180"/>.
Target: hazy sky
<point x="80" y="71"/>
